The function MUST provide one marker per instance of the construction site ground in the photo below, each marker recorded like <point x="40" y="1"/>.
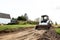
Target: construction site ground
<point x="29" y="34"/>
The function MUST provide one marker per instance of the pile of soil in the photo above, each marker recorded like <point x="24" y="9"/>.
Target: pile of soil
<point x="50" y="35"/>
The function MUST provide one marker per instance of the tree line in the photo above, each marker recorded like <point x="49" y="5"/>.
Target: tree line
<point x="23" y="19"/>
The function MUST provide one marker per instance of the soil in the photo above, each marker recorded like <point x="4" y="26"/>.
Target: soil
<point x="50" y="35"/>
<point x="28" y="34"/>
<point x="31" y="34"/>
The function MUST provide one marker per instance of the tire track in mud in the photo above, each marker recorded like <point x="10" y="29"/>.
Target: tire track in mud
<point x="30" y="34"/>
<point x="25" y="36"/>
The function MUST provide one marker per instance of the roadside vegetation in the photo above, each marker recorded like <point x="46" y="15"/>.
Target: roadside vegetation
<point x="17" y="26"/>
<point x="57" y="30"/>
<point x="18" y="23"/>
<point x="10" y="27"/>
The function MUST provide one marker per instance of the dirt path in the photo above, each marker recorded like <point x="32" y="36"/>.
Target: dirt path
<point x="30" y="34"/>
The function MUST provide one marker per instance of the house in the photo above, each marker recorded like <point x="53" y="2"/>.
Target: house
<point x="5" y="18"/>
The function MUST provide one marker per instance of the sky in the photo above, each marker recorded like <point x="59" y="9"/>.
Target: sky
<point x="34" y="8"/>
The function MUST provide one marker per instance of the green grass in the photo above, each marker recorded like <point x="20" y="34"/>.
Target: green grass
<point x="57" y="30"/>
<point x="8" y="27"/>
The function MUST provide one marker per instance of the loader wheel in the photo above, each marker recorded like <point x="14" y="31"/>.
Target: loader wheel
<point x="37" y="27"/>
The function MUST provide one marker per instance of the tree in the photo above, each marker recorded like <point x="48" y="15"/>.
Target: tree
<point x="26" y="17"/>
<point x="21" y="18"/>
<point x="56" y="23"/>
<point x="13" y="19"/>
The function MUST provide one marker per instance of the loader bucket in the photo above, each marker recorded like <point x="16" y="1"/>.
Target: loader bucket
<point x="40" y="27"/>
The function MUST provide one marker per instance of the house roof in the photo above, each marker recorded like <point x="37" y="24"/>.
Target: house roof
<point x="3" y="15"/>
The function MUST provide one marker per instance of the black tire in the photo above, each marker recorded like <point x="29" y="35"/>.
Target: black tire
<point x="36" y="27"/>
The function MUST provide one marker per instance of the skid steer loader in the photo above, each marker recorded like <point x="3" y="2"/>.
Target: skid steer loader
<point x="44" y="23"/>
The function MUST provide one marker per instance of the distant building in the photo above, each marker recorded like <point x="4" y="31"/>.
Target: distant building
<point x="5" y="18"/>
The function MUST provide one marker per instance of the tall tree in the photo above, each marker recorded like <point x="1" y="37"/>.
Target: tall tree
<point x="56" y="23"/>
<point x="21" y="18"/>
<point x="13" y="18"/>
<point x="26" y="17"/>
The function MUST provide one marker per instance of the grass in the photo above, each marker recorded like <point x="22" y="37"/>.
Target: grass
<point x="57" y="30"/>
<point x="8" y="27"/>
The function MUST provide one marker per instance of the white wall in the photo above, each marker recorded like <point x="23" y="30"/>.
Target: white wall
<point x="4" y="21"/>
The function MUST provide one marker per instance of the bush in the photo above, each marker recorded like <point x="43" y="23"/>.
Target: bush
<point x="13" y="23"/>
<point x="32" y="22"/>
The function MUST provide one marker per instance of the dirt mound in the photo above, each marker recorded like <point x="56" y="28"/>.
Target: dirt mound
<point x="50" y="35"/>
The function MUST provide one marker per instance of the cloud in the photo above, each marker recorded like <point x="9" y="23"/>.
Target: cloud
<point x="58" y="7"/>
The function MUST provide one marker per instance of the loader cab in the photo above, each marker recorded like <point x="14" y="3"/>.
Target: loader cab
<point x="44" y="18"/>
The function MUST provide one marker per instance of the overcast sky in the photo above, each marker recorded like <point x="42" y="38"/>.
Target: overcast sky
<point x="34" y="8"/>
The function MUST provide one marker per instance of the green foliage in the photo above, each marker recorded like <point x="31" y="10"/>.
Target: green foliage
<point x="57" y="30"/>
<point x="26" y="17"/>
<point x="23" y="17"/>
<point x="13" y="21"/>
<point x="13" y="18"/>
<point x="32" y="22"/>
<point x="56" y="23"/>
<point x="23" y="20"/>
<point x="9" y="27"/>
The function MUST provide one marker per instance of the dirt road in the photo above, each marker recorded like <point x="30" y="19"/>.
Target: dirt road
<point x="30" y="34"/>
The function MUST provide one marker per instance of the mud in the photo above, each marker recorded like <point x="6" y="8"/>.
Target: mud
<point x="50" y="35"/>
<point x="30" y="34"/>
